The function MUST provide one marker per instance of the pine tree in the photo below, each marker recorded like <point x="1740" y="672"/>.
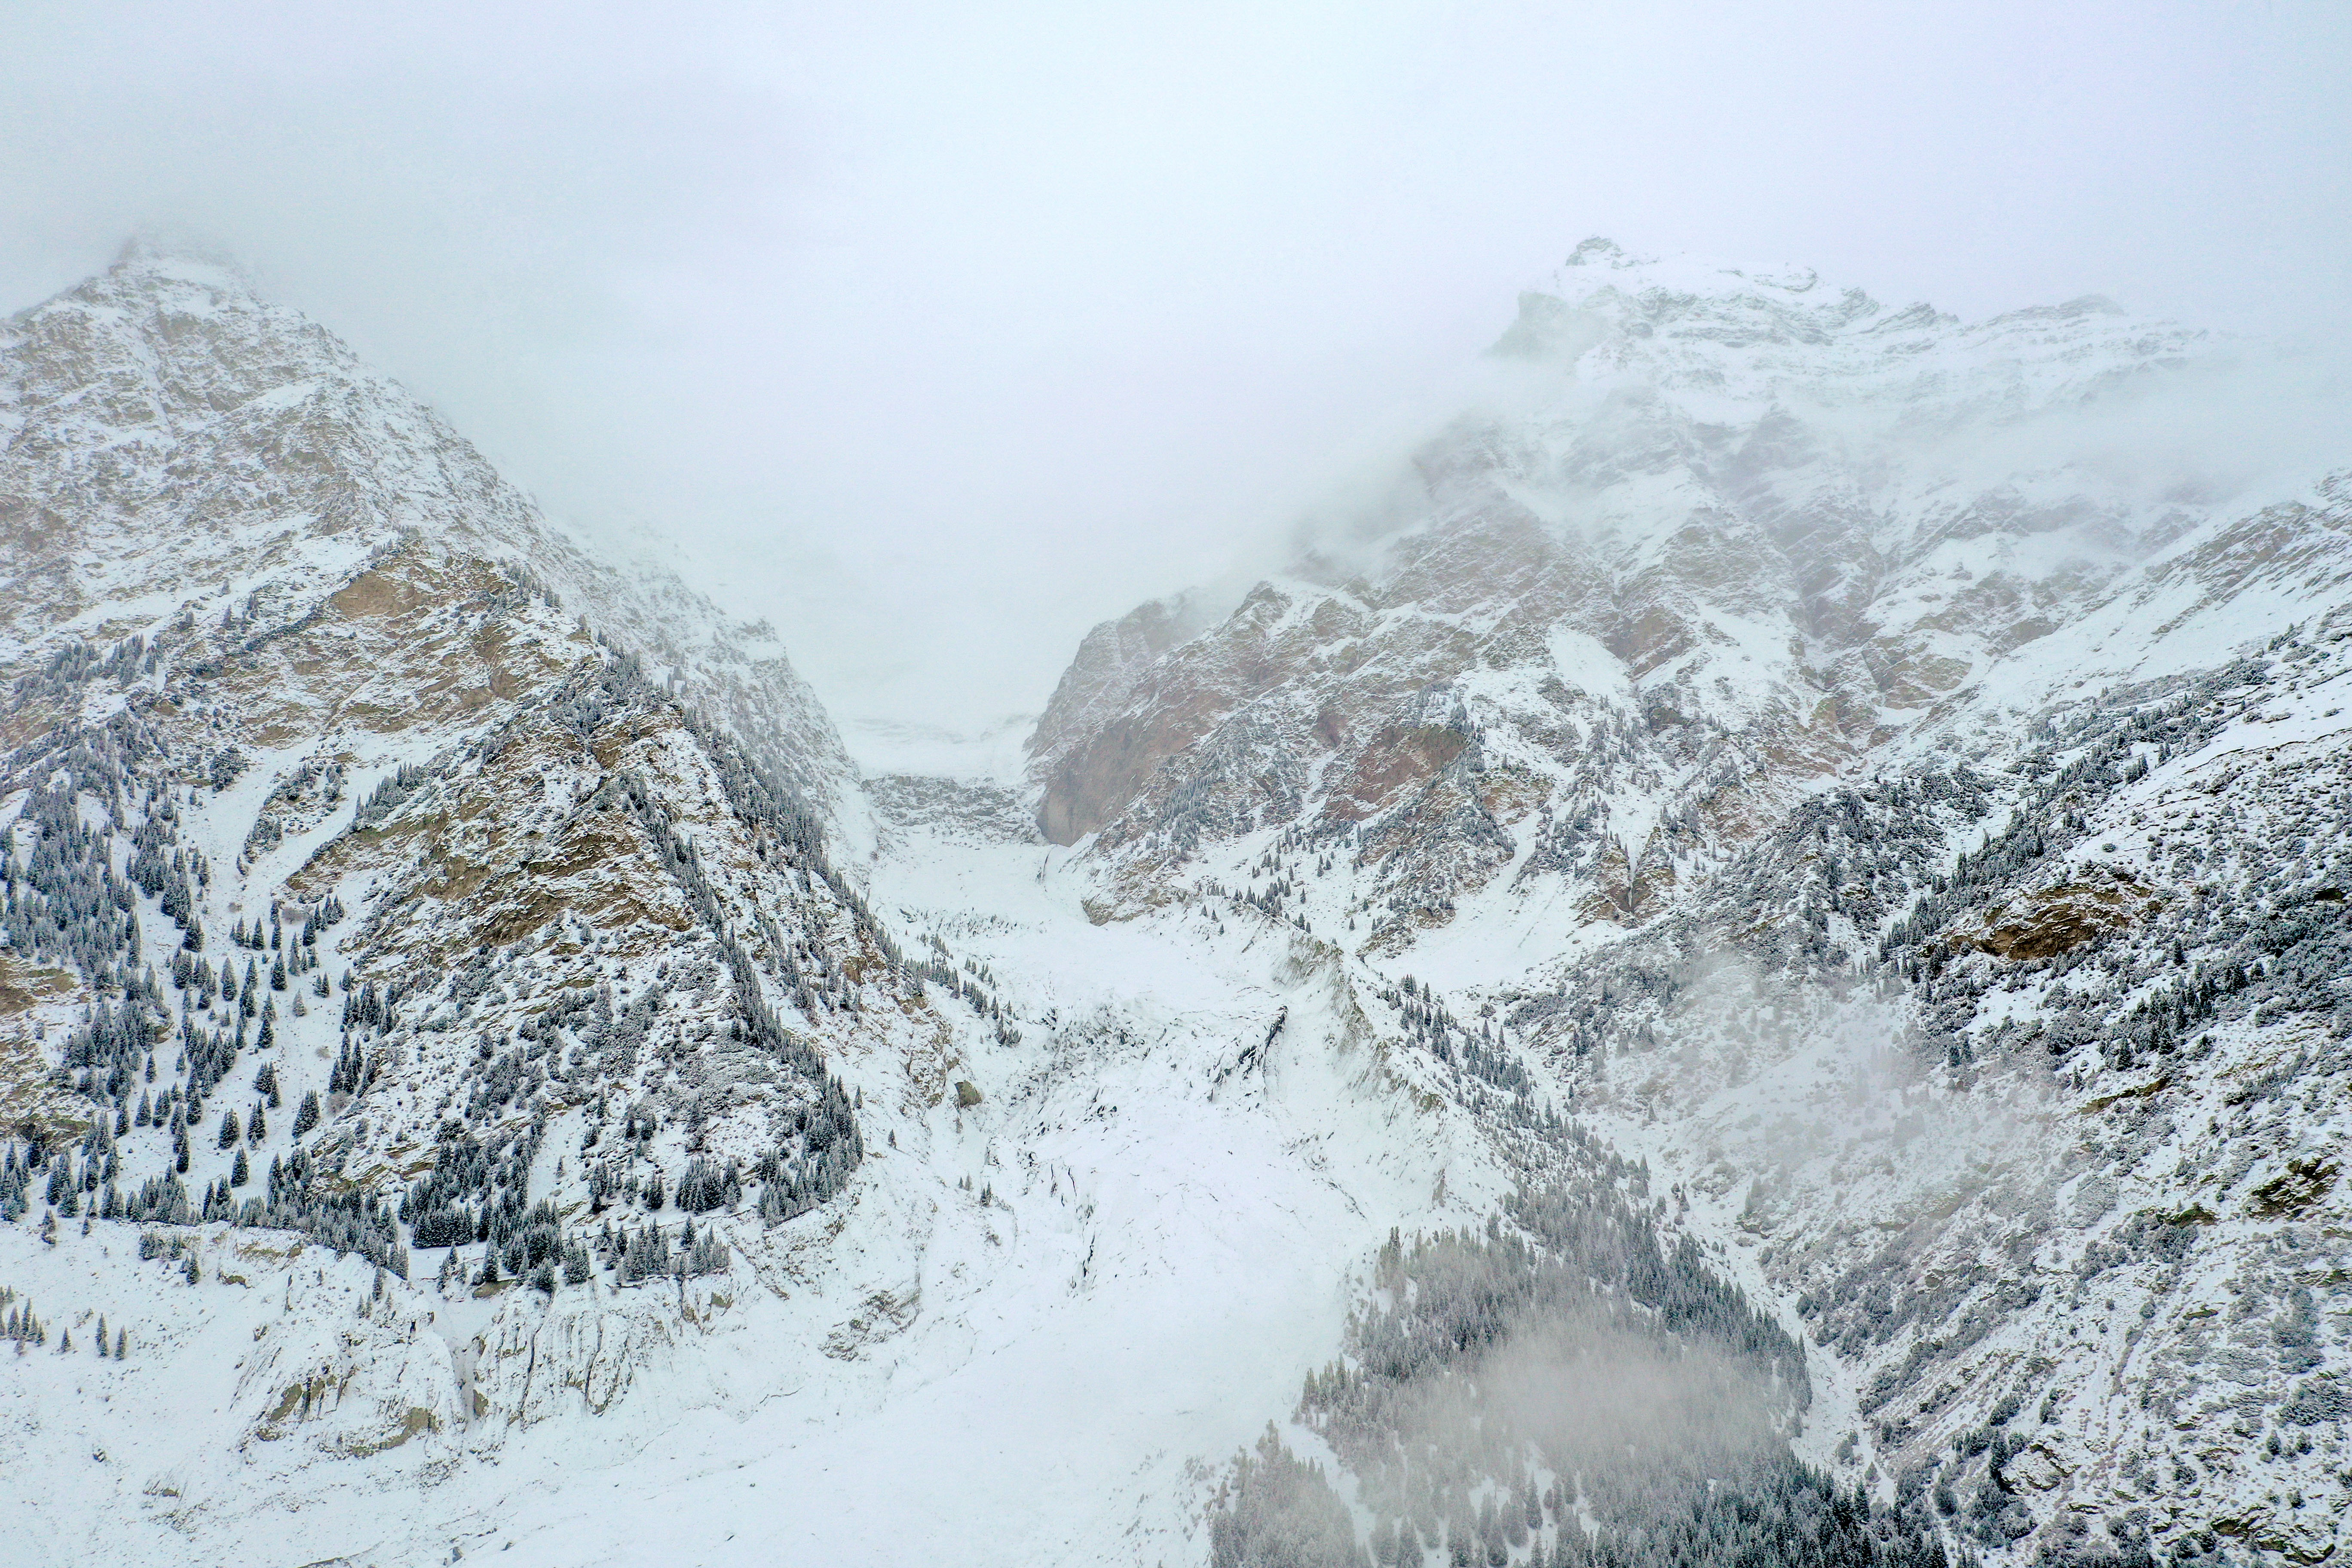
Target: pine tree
<point x="241" y="1173"/>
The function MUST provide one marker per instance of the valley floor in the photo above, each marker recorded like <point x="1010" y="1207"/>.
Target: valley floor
<point x="1039" y="1378"/>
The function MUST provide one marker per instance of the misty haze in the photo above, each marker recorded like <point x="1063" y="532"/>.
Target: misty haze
<point x="1369" y="787"/>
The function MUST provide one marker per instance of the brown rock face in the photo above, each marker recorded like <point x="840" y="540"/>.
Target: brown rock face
<point x="1109" y="661"/>
<point x="1390" y="763"/>
<point x="2059" y="920"/>
<point x="1100" y="748"/>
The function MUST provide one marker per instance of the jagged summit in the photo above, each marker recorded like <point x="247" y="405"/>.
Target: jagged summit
<point x="152" y="261"/>
<point x="1602" y="293"/>
<point x="1599" y="263"/>
<point x="1751" y="336"/>
<point x="168" y="252"/>
<point x="1597" y="250"/>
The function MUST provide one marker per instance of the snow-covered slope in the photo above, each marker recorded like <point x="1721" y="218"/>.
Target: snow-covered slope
<point x="2022" y="1076"/>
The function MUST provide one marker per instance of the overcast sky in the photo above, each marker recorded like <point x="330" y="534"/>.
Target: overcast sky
<point x="938" y="332"/>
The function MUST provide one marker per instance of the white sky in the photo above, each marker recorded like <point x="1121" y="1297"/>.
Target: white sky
<point x="938" y="332"/>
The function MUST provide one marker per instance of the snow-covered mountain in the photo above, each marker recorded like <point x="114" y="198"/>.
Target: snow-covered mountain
<point x="1735" y="535"/>
<point x="1739" y="720"/>
<point x="190" y="465"/>
<point x="1752" y="962"/>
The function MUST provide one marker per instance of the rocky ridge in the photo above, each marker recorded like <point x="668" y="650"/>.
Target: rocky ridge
<point x="189" y="468"/>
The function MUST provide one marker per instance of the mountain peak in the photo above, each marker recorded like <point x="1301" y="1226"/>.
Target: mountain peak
<point x="1601" y="264"/>
<point x="1599" y="251"/>
<point x="1752" y="332"/>
<point x="162" y="257"/>
<point x="1604" y="294"/>
<point x="170" y="363"/>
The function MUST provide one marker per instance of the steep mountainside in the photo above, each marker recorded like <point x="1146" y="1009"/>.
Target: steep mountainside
<point x="2023" y="1074"/>
<point x="384" y="874"/>
<point x="1803" y="751"/>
